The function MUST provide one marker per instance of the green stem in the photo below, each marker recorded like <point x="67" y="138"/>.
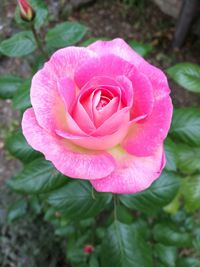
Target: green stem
<point x="93" y="193"/>
<point x="39" y="43"/>
<point x="115" y="206"/>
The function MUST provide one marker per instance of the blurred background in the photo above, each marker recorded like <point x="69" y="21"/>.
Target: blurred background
<point x="156" y="24"/>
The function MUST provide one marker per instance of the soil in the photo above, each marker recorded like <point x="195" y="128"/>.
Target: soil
<point x="144" y="23"/>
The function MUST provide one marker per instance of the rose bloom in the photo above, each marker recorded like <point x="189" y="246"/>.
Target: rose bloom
<point x="101" y="113"/>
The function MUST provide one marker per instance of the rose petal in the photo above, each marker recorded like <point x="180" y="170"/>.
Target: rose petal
<point x="114" y="123"/>
<point x="101" y="115"/>
<point x="64" y="62"/>
<point x="133" y="174"/>
<point x="91" y="92"/>
<point x="121" y="49"/>
<point x="121" y="88"/>
<point x="69" y="159"/>
<point x="45" y="98"/>
<point x="97" y="143"/>
<point x="134" y="83"/>
<point x="82" y="118"/>
<point x="89" y="99"/>
<point x="126" y="87"/>
<point x="67" y="91"/>
<point x="46" y="101"/>
<point x="106" y="65"/>
<point x="68" y="97"/>
<point x="144" y="138"/>
<point x="143" y="97"/>
<point x="117" y="47"/>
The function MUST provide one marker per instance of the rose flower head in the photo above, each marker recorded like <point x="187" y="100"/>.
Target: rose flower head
<point x="101" y="113"/>
<point x="27" y="13"/>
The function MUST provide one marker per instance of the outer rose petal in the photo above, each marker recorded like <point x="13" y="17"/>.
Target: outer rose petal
<point x="45" y="98"/>
<point x="144" y="138"/>
<point x="116" y="67"/>
<point x="117" y="47"/>
<point x="67" y="91"/>
<point x="133" y="174"/>
<point x="122" y="49"/>
<point x="106" y="65"/>
<point x="65" y="61"/>
<point x="46" y="101"/>
<point x="69" y="159"/>
<point x="143" y="96"/>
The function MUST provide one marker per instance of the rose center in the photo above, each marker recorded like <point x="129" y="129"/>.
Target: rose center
<point x="102" y="102"/>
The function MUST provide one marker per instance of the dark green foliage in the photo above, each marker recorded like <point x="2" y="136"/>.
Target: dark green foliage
<point x="123" y="246"/>
<point x="39" y="176"/>
<point x="154" y="198"/>
<point x="9" y="84"/>
<point x="186" y="75"/>
<point x="19" y="148"/>
<point x="186" y="126"/>
<point x="56" y="217"/>
<point x="65" y="34"/>
<point x="76" y="200"/>
<point x="20" y="44"/>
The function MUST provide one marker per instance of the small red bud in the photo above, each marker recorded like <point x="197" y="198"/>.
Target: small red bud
<point x="27" y="13"/>
<point x="88" y="249"/>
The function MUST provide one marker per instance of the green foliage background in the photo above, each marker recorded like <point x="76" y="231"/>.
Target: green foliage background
<point x="152" y="228"/>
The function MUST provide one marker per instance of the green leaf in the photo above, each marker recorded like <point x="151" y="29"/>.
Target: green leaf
<point x="37" y="177"/>
<point x="188" y="262"/>
<point x="35" y="204"/>
<point x="124" y="215"/>
<point x="140" y="48"/>
<point x="93" y="262"/>
<point x="77" y="257"/>
<point x="167" y="255"/>
<point x="76" y="200"/>
<point x="9" y="85"/>
<point x="18" y="147"/>
<point x="171" y="155"/>
<point x="65" y="231"/>
<point x="20" y="44"/>
<point x="191" y="192"/>
<point x="196" y="243"/>
<point x="17" y="211"/>
<point x="87" y="223"/>
<point x="80" y="265"/>
<point x="154" y="198"/>
<point x="124" y="247"/>
<point x="186" y="125"/>
<point x="169" y="236"/>
<point x="51" y="215"/>
<point x="142" y="228"/>
<point x="186" y="75"/>
<point x="65" y="34"/>
<point x="159" y="264"/>
<point x="188" y="159"/>
<point x="41" y="14"/>
<point x="38" y="63"/>
<point x="173" y="206"/>
<point x="21" y="99"/>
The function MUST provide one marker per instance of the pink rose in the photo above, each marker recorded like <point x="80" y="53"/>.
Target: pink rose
<point x="101" y="113"/>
